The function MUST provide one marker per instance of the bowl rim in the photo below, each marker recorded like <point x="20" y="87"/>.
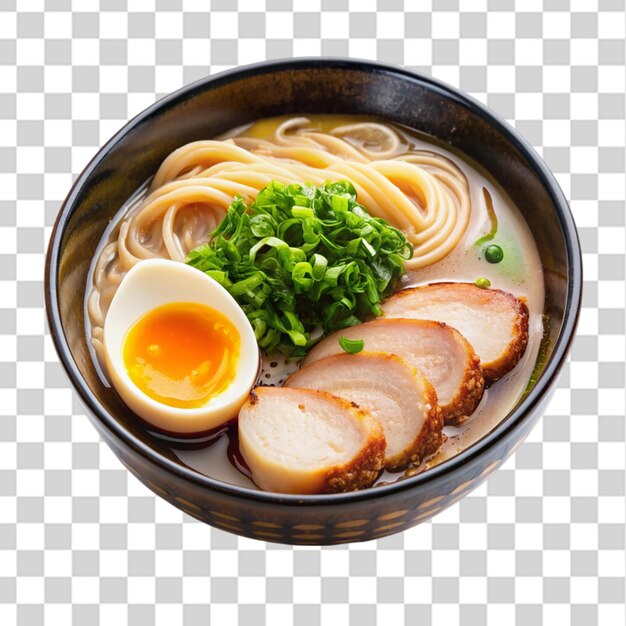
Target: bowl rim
<point x="507" y="424"/>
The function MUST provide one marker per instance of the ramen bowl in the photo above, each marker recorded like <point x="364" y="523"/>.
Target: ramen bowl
<point x="214" y="105"/>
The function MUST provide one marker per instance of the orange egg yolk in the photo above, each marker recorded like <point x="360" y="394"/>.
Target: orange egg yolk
<point x="182" y="354"/>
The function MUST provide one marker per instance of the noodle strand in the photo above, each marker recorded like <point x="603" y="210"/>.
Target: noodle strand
<point x="421" y="192"/>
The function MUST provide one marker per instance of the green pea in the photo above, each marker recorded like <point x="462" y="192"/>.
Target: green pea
<point x="483" y="283"/>
<point x="494" y="253"/>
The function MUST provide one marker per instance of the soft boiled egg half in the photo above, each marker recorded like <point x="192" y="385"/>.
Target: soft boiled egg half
<point x="178" y="348"/>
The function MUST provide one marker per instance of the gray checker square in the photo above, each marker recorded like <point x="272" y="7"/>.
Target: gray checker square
<point x="83" y="543"/>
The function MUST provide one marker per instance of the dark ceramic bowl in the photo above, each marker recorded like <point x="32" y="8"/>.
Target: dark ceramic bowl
<point x="216" y="104"/>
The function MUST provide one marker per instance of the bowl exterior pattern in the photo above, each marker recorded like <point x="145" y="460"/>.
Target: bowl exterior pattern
<point x="291" y="523"/>
<point x="217" y="104"/>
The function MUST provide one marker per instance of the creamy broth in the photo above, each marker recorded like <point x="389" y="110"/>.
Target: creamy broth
<point x="519" y="273"/>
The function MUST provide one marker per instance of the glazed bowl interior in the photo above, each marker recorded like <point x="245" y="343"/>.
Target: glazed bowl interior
<point x="213" y="106"/>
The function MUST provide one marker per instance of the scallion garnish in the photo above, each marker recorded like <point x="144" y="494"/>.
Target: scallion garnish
<point x="303" y="257"/>
<point x="351" y="346"/>
<point x="493" y="219"/>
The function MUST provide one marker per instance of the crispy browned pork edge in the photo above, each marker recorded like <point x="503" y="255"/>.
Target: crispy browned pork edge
<point x="470" y="390"/>
<point x="517" y="346"/>
<point x="429" y="437"/>
<point x="363" y="469"/>
<point x="472" y="386"/>
<point x="509" y="358"/>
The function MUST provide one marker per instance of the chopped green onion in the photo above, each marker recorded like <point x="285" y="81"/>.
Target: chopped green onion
<point x="340" y="204"/>
<point x="302" y="258"/>
<point x="493" y="219"/>
<point x="301" y="211"/>
<point x="351" y="346"/>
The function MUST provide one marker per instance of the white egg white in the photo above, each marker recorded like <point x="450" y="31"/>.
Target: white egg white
<point x="151" y="284"/>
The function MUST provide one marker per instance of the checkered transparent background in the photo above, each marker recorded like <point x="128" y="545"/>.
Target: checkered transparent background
<point x="83" y="543"/>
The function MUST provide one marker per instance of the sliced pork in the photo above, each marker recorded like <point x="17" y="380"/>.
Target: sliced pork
<point x="304" y="441"/>
<point x="494" y="322"/>
<point x="392" y="391"/>
<point x="441" y="354"/>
